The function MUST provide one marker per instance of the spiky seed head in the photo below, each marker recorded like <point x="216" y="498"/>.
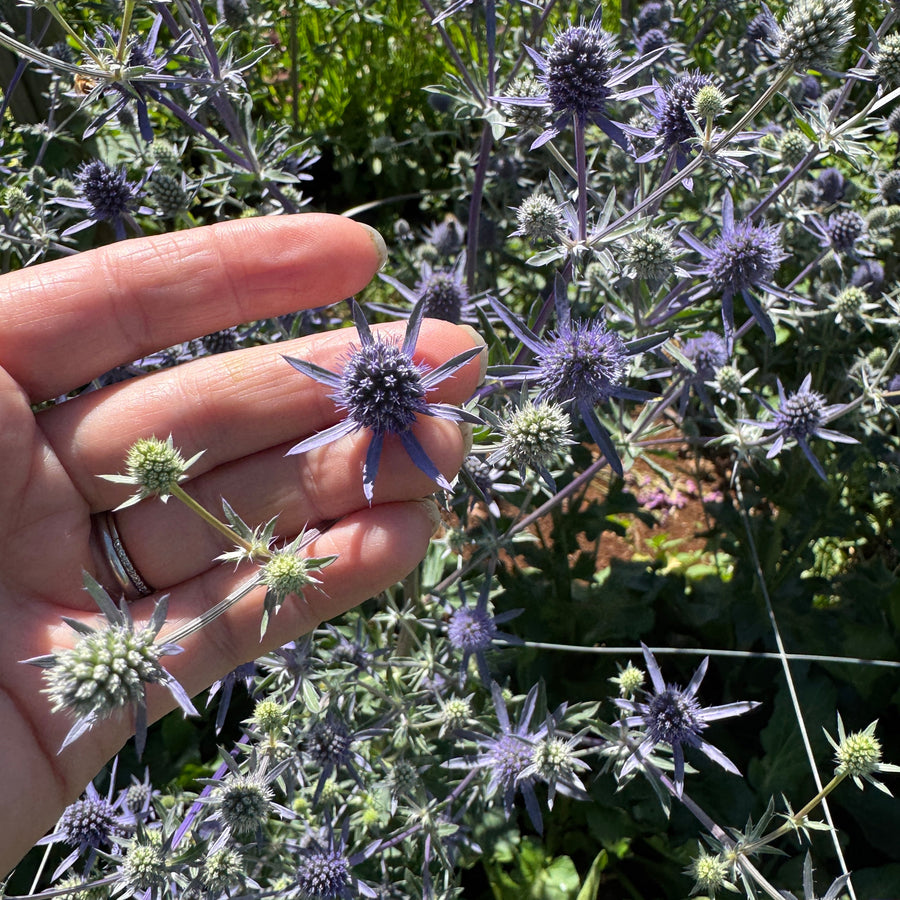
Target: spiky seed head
<point x="709" y="102"/>
<point x="672" y="716"/>
<point x="107" y="190"/>
<point x="404" y="779"/>
<point x="849" y="302"/>
<point x="324" y="875"/>
<point x="762" y="28"/>
<point x="586" y="361"/>
<point x="243" y="802"/>
<point x="165" y="155"/>
<point x="510" y="755"/>
<point x="270" y="716"/>
<point x="844" y="229"/>
<point x="792" y="147"/>
<point x="539" y="218"/>
<point x="155" y="465"/>
<point x="223" y="341"/>
<point x="630" y="679"/>
<point x="710" y="872"/>
<point x="144" y="866"/>
<point x="234" y="12"/>
<point x="859" y="754"/>
<point x="15" y="199"/>
<point x="456" y="713"/>
<point x="769" y="141"/>
<point x="653" y="15"/>
<point x="889" y="187"/>
<point x="674" y="124"/>
<point x="527" y="118"/>
<point x="800" y="414"/>
<point x="579" y="65"/>
<point x="553" y="758"/>
<point x="77" y="889"/>
<point x="221" y="870"/>
<point x="168" y="193"/>
<point x="814" y="32"/>
<point x="650" y="255"/>
<point x="651" y="40"/>
<point x="535" y="434"/>
<point x="887" y="60"/>
<point x="286" y="574"/>
<point x="137" y="796"/>
<point x="831" y="185"/>
<point x="90" y="822"/>
<point x="729" y="380"/>
<point x="105" y="671"/>
<point x="445" y="295"/>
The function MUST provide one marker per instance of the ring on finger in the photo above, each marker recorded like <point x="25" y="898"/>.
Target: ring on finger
<point x="128" y="580"/>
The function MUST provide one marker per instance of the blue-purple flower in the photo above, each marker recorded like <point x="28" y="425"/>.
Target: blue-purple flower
<point x="382" y="388"/>
<point x="672" y="715"/>
<point x="472" y="630"/>
<point x="582" y="363"/>
<point x="325" y="868"/>
<point x="800" y="417"/>
<point x="743" y="258"/>
<point x="580" y="78"/>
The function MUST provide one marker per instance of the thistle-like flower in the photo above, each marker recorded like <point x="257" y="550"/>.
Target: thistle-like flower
<point x="580" y="78"/>
<point x="382" y="388"/>
<point x="743" y="257"/>
<point x="582" y="362"/>
<point x="801" y="417"/>
<point x="844" y="229"/>
<point x="472" y="630"/>
<point x="814" y="32"/>
<point x="675" y="106"/>
<point x="650" y="256"/>
<point x="539" y="218"/>
<point x="109" y="669"/>
<point x="672" y="715"/>
<point x="325" y="868"/>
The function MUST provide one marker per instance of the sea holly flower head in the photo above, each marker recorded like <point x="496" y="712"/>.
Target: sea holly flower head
<point x="109" y="669"/>
<point x="859" y="756"/>
<point x="814" y="32"/>
<point x="801" y="417"/>
<point x="672" y="715"/>
<point x="580" y="76"/>
<point x="325" y="867"/>
<point x="742" y="259"/>
<point x="582" y="363"/>
<point x="154" y="466"/>
<point x="383" y="389"/>
<point x="675" y="106"/>
<point x="710" y="871"/>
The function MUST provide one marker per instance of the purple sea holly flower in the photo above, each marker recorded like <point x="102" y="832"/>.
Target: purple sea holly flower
<point x="742" y="260"/>
<point x="672" y="715"/>
<point x="504" y="757"/>
<point x="800" y="416"/>
<point x="383" y="389"/>
<point x="90" y="823"/>
<point x="325" y="867"/>
<point x="582" y="363"/>
<point x="472" y="630"/>
<point x="581" y="78"/>
<point x="108" y="196"/>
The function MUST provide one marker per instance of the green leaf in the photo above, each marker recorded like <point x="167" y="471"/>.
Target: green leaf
<point x="592" y="883"/>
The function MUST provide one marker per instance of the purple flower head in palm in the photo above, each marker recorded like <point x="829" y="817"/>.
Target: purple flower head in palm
<point x="800" y="417"/>
<point x="582" y="363"/>
<point x="672" y="715"/>
<point x="580" y="77"/>
<point x="383" y="389"/>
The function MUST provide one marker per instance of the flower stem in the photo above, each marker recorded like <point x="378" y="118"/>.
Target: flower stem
<point x="179" y="492"/>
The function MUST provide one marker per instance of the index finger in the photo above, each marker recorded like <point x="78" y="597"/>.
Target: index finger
<point x="65" y="322"/>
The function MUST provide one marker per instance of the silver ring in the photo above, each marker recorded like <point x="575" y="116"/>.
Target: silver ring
<point x="127" y="577"/>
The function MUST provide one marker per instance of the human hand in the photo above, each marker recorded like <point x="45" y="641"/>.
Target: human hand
<point x="66" y="322"/>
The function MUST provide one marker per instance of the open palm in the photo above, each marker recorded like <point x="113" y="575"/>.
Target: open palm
<point x="63" y="324"/>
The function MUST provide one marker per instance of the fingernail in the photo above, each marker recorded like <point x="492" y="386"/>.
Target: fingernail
<point x="483" y="357"/>
<point x="467" y="429"/>
<point x="380" y="246"/>
<point x="434" y="514"/>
